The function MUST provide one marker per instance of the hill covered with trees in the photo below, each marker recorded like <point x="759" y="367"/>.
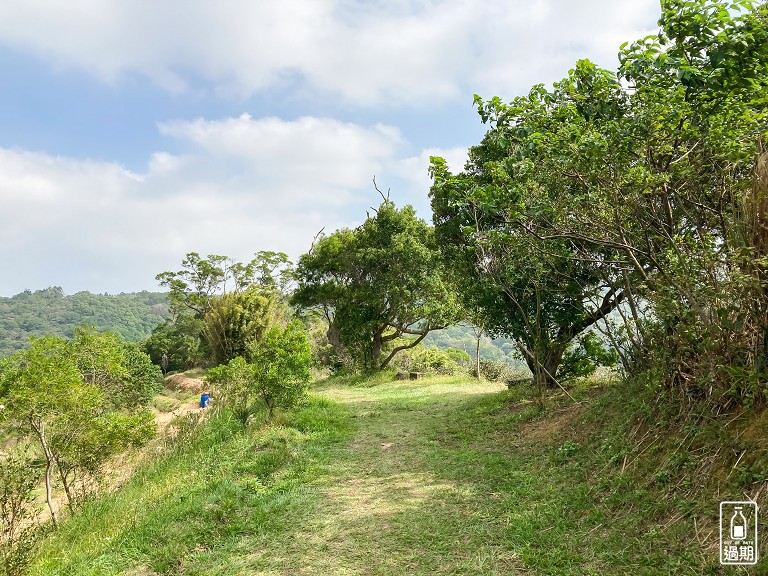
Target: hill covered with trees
<point x="50" y="312"/>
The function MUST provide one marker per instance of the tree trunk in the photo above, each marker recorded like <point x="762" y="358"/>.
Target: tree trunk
<point x="39" y="428"/>
<point x="376" y="345"/>
<point x="67" y="488"/>
<point x="477" y="355"/>
<point x="334" y="338"/>
<point x="388" y="359"/>
<point x="545" y="370"/>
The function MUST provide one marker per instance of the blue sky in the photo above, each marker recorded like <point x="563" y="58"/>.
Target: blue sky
<point x="133" y="132"/>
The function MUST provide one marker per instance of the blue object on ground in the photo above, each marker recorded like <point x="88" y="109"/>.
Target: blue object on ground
<point x="204" y="400"/>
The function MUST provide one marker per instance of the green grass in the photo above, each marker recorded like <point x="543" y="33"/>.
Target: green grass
<point x="436" y="476"/>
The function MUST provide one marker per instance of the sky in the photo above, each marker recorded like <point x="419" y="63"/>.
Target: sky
<point x="135" y="131"/>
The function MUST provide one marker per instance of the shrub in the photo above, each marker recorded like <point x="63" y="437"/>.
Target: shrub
<point x="433" y="360"/>
<point x="276" y="376"/>
<point x="18" y="480"/>
<point x="496" y="370"/>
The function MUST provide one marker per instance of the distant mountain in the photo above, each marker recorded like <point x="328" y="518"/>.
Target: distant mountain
<point x="463" y="337"/>
<point x="51" y="312"/>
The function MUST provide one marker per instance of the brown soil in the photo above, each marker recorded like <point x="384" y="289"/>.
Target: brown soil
<point x="552" y="426"/>
<point x="164" y="418"/>
<point x="184" y="383"/>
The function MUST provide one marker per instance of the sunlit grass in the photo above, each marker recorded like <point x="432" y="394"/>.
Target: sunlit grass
<point x="443" y="475"/>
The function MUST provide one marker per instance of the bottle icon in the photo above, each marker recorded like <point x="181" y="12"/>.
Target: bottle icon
<point x="738" y="525"/>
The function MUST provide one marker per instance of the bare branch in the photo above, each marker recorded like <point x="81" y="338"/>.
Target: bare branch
<point x="376" y="186"/>
<point x="316" y="238"/>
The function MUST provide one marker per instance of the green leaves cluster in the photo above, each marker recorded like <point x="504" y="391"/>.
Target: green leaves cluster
<point x="238" y="319"/>
<point x="75" y="400"/>
<point x="218" y="306"/>
<point x="50" y="312"/>
<point x="377" y="283"/>
<point x="497" y="221"/>
<point x="18" y="508"/>
<point x="633" y="193"/>
<point x="276" y="374"/>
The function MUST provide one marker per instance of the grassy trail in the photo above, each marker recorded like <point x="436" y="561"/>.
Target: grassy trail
<point x="435" y="477"/>
<point x="382" y="507"/>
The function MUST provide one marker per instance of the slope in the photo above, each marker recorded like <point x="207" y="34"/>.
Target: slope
<point x="441" y="476"/>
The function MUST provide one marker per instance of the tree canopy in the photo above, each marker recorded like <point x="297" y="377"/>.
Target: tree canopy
<point x="376" y="284"/>
<point x="50" y="312"/>
<point x="638" y="191"/>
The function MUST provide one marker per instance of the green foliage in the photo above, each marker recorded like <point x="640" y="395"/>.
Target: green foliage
<point x="192" y="289"/>
<point x="50" y="313"/>
<point x="494" y="370"/>
<point x="144" y="380"/>
<point x="218" y="305"/>
<point x="434" y="360"/>
<point x="18" y="509"/>
<point x="494" y="221"/>
<point x="376" y="283"/>
<point x="179" y="341"/>
<point x="63" y="395"/>
<point x="276" y="376"/>
<point x="122" y="370"/>
<point x="237" y="319"/>
<point x="479" y="482"/>
<point x="585" y="357"/>
<point x="642" y="192"/>
<point x="83" y="441"/>
<point x="461" y="357"/>
<point x="215" y="494"/>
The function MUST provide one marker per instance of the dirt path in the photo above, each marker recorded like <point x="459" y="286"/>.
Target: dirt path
<point x="164" y="418"/>
<point x="189" y="387"/>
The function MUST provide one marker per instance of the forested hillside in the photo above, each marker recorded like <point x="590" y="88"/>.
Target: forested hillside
<point x="51" y="312"/>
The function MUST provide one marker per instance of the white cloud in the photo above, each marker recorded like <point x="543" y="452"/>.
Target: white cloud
<point x="415" y="171"/>
<point x="242" y="185"/>
<point x="369" y="53"/>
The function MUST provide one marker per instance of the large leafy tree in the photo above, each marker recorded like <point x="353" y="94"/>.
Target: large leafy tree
<point x="57" y="393"/>
<point x="639" y="187"/>
<point x="693" y="204"/>
<point x="494" y="220"/>
<point x="121" y="369"/>
<point x="238" y="319"/>
<point x="376" y="284"/>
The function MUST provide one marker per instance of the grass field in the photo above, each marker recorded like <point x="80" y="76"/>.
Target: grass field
<point x="436" y="476"/>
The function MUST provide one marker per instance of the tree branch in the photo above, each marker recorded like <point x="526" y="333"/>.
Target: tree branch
<point x="403" y="347"/>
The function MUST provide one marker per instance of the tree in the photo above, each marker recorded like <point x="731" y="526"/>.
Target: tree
<point x="203" y="293"/>
<point x="54" y="392"/>
<point x="492" y="220"/>
<point x="377" y="283"/>
<point x="190" y="289"/>
<point x="18" y="509"/>
<point x="277" y="374"/>
<point x="40" y="385"/>
<point x="124" y="372"/>
<point x="82" y="441"/>
<point x="644" y="188"/>
<point x="179" y="341"/>
<point x="238" y="319"/>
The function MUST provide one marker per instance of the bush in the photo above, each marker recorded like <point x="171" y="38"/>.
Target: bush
<point x="422" y="359"/>
<point x="495" y="370"/>
<point x="276" y="376"/>
<point x="584" y="358"/>
<point x="18" y="480"/>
